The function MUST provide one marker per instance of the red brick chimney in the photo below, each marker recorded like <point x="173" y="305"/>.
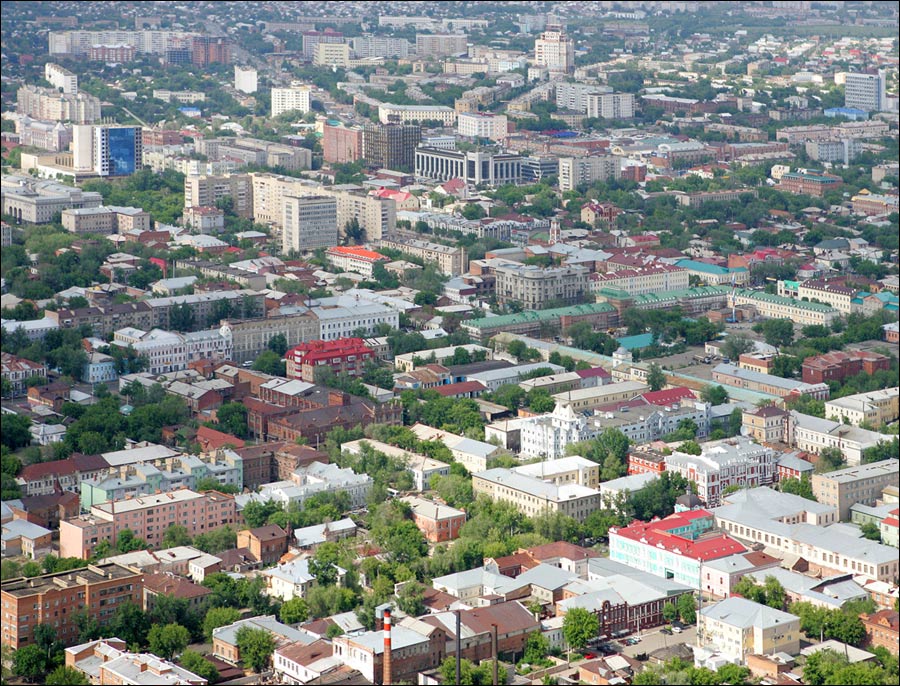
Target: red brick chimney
<point x="387" y="648"/>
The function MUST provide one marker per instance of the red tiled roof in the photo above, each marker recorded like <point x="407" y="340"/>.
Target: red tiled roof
<point x="452" y="389"/>
<point x="657" y="534"/>
<point x="669" y="396"/>
<point x="593" y="372"/>
<point x="211" y="439"/>
<point x="562" y="549"/>
<point x="169" y="584"/>
<point x="75" y="463"/>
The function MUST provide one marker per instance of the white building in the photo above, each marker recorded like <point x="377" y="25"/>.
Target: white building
<point x="341" y="316"/>
<point x="573" y="97"/>
<point x="574" y="171"/>
<point x="555" y="51"/>
<point x="482" y="125"/>
<point x="388" y="113"/>
<point x="813" y="433"/>
<point x="245" y="79"/>
<point x="167" y="351"/>
<point x="62" y="78"/>
<point x="733" y="461"/>
<point x="610" y="105"/>
<point x="295" y="98"/>
<point x="291" y="579"/>
<point x="866" y="91"/>
<point x="309" y="222"/>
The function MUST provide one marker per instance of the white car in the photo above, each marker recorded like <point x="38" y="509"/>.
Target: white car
<point x="676" y="629"/>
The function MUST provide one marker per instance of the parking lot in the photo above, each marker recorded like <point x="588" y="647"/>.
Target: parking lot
<point x="655" y="639"/>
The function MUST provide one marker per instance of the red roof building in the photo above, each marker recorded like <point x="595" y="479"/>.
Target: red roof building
<point x="463" y="389"/>
<point x="669" y="396"/>
<point x="838" y="365"/>
<point x="674" y="547"/>
<point x="344" y="355"/>
<point x="355" y="259"/>
<point x="210" y="439"/>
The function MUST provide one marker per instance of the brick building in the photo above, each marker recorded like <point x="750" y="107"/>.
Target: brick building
<point x="438" y="523"/>
<point x="344" y="355"/>
<point x="883" y="629"/>
<point x="57" y="599"/>
<point x="838" y="365"/>
<point x="266" y="543"/>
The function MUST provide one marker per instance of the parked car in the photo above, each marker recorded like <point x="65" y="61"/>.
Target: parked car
<point x="677" y="629"/>
<point x="667" y="632"/>
<point x="589" y="656"/>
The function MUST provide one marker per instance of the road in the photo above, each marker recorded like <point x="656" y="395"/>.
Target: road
<point x="655" y="639"/>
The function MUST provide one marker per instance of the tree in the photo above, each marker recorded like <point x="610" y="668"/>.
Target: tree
<point x="232" y="419"/>
<point x="219" y="616"/>
<point x="579" y="627"/>
<point x="801" y="487"/>
<point x="278" y="344"/>
<point x="714" y="395"/>
<point x="30" y="662"/>
<point x="294" y="611"/>
<point x="67" y="676"/>
<point x="870" y="531"/>
<point x="670" y="612"/>
<point x="411" y="598"/>
<point x="736" y="345"/>
<point x="15" y="431"/>
<point x="830" y="459"/>
<point x="255" y="646"/>
<point x="775" y="595"/>
<point x="323" y="565"/>
<point x="687" y="608"/>
<point x="656" y="378"/>
<point x="778" y="332"/>
<point x="176" y="535"/>
<point x="168" y="640"/>
<point x="269" y="362"/>
<point x="127" y="542"/>
<point x="537" y="647"/>
<point x="691" y="448"/>
<point x="181" y="318"/>
<point x="194" y="662"/>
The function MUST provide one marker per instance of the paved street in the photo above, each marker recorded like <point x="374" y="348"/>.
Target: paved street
<point x="654" y="639"/>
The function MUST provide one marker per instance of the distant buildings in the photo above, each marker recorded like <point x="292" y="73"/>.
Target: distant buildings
<point x="31" y="201"/>
<point x="388" y="113"/>
<point x="295" y="98"/>
<point x="245" y="79"/>
<point x="390" y="146"/>
<point x="61" y="78"/>
<point x="536" y="288"/>
<point x="342" y="143"/>
<point x="310" y="222"/>
<point x="472" y="167"/>
<point x="49" y="104"/>
<point x="866" y="91"/>
<point x="555" y="50"/>
<point x="838" y="365"/>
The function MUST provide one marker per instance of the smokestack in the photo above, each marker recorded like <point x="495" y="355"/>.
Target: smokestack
<point x="496" y="681"/>
<point x="387" y="647"/>
<point x="458" y="648"/>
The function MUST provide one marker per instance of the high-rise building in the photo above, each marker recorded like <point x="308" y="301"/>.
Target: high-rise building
<point x="313" y="38"/>
<point x="441" y="45"/>
<point x="482" y="125"/>
<point x="379" y="46"/>
<point x="342" y="143"/>
<point x="866" y="92"/>
<point x="49" y="104"/>
<point x="391" y="146"/>
<point x="574" y="171"/>
<point x="245" y="79"/>
<point x="208" y="50"/>
<point x="297" y="97"/>
<point x="205" y="191"/>
<point x="610" y="105"/>
<point x="332" y="55"/>
<point x="555" y="51"/>
<point x="117" y="150"/>
<point x="310" y="222"/>
<point x="472" y="167"/>
<point x="61" y="78"/>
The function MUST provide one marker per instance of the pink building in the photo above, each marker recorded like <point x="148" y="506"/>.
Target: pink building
<point x="147" y="517"/>
<point x="718" y="577"/>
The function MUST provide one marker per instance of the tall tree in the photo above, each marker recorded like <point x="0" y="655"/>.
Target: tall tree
<point x="579" y="627"/>
<point x="656" y="378"/>
<point x="256" y="647"/>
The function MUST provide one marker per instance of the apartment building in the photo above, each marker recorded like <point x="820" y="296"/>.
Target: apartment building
<point x="80" y="42"/>
<point x="167" y="351"/>
<point x="779" y="307"/>
<point x="310" y="222"/>
<point x="108" y="662"/>
<point x="379" y="46"/>
<point x="342" y="143"/>
<point x="205" y="191"/>
<point x="573" y="97"/>
<point x="555" y="50"/>
<point x="52" y="136"/>
<point x="49" y="104"/>
<point x="441" y="44"/>
<point x="341" y="316"/>
<point x="451" y="261"/>
<point x="610" y="105"/>
<point x="733" y="461"/>
<point x="354" y="259"/>
<point x="838" y="365"/>
<point x="61" y="78"/>
<point x="655" y="279"/>
<point x="874" y="408"/>
<point x="533" y="496"/>
<point x="343" y="356"/>
<point x="388" y="113"/>
<point x="312" y="38"/>
<point x="243" y="151"/>
<point x="675" y="547"/>
<point x="332" y="55"/>
<point x="871" y="204"/>
<point x="482" y="125"/>
<point x="735" y="628"/>
<point x="296" y="98"/>
<point x="59" y="599"/>
<point x="536" y="288"/>
<point x="863" y="484"/>
<point x="575" y="171"/>
<point x="147" y="517"/>
<point x="205" y="307"/>
<point x="841" y="152"/>
<point x="791" y="525"/>
<point x="812" y="434"/>
<point x="866" y="91"/>
<point x="245" y="79"/>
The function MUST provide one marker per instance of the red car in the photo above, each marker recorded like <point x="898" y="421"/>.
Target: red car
<point x="589" y="656"/>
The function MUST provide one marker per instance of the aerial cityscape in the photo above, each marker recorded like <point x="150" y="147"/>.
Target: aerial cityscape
<point x="434" y="343"/>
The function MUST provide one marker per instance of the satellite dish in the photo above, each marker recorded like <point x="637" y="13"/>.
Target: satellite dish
<point x="745" y="431"/>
